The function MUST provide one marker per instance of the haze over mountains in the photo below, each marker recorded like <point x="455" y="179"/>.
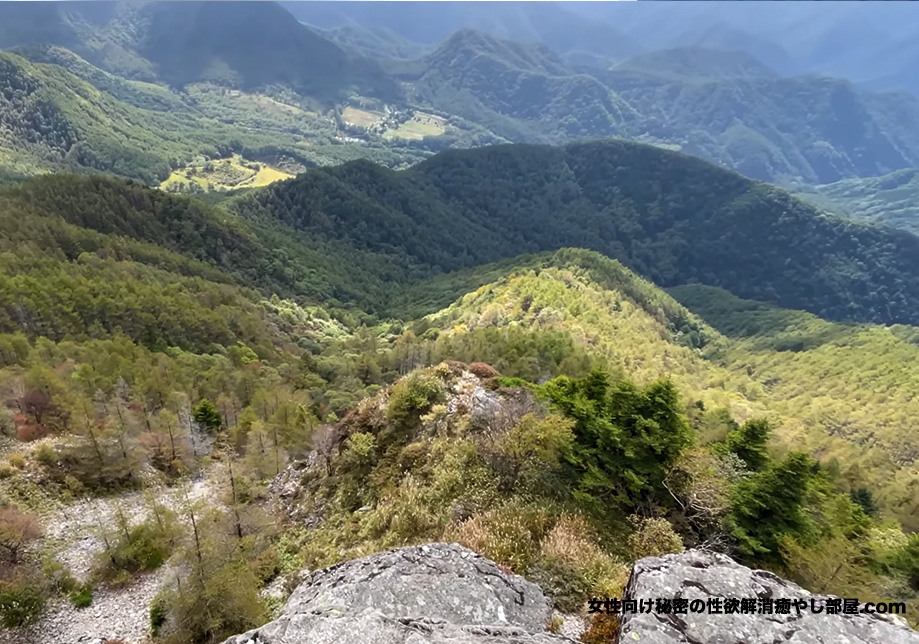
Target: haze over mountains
<point x="798" y="38"/>
<point x="287" y="284"/>
<point x="458" y="75"/>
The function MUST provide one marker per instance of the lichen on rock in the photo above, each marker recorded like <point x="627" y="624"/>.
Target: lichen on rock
<point x="697" y="574"/>
<point x="437" y="593"/>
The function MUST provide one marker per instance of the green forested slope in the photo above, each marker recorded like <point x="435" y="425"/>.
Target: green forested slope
<point x="53" y="120"/>
<point x="523" y="93"/>
<point x="69" y="215"/>
<point x="840" y="392"/>
<point x="140" y="342"/>
<point x="671" y="218"/>
<point x="246" y="45"/>
<point x="811" y="129"/>
<point x="891" y="199"/>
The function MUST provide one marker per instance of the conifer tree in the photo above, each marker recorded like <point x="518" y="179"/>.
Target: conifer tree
<point x="749" y="443"/>
<point x="771" y="504"/>
<point x="207" y="416"/>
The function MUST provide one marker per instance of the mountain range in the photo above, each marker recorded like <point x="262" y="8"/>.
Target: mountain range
<point x="793" y="39"/>
<point x="279" y="294"/>
<point x="525" y="84"/>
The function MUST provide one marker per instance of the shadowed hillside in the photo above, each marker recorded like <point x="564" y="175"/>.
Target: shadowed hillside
<point x="669" y="217"/>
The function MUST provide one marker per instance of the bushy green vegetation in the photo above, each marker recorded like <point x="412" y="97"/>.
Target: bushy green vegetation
<point x="144" y="343"/>
<point x="138" y="548"/>
<point x="568" y="481"/>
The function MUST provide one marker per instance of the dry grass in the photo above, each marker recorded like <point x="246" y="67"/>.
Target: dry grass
<point x="360" y="118"/>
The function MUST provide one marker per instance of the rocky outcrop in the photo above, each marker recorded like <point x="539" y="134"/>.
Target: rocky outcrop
<point x="697" y="575"/>
<point x="433" y="594"/>
<point x="445" y="594"/>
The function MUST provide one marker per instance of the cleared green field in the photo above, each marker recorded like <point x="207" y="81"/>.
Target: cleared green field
<point x="420" y="126"/>
<point x="222" y="174"/>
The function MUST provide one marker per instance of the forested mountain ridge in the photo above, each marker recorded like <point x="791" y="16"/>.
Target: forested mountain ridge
<point x="672" y="218"/>
<point x="520" y="92"/>
<point x="475" y="88"/>
<point x="144" y="344"/>
<point x="753" y="359"/>
<point x="812" y="129"/>
<point x="54" y="120"/>
<point x="92" y="258"/>
<point x="68" y="215"/>
<point x="187" y="42"/>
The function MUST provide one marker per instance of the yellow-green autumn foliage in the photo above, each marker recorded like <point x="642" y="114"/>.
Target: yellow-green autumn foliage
<point x="842" y="392"/>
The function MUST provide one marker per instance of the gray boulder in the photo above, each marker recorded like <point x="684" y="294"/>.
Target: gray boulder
<point x="438" y="594"/>
<point x="695" y="575"/>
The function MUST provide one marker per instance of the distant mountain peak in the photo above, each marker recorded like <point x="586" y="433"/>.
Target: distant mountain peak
<point x="528" y="57"/>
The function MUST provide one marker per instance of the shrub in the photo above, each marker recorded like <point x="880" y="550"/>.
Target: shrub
<point x="413" y="456"/>
<point x="17" y="460"/>
<point x="158" y="615"/>
<point x="555" y="624"/>
<point x="140" y="548"/>
<point x="21" y="602"/>
<point x="73" y="485"/>
<point x="29" y="433"/>
<point x="58" y="576"/>
<point x="227" y="594"/>
<point x="360" y="448"/>
<point x="404" y="516"/>
<point x="207" y="416"/>
<point x="16" y="530"/>
<point x="6" y="472"/>
<point x="572" y="568"/>
<point x="460" y="475"/>
<point x="82" y="597"/>
<point x="653" y="538"/>
<point x="46" y="455"/>
<point x="267" y="565"/>
<point x="413" y="394"/>
<point x="532" y="449"/>
<point x="604" y="629"/>
<point x="509" y="535"/>
<point x="483" y="370"/>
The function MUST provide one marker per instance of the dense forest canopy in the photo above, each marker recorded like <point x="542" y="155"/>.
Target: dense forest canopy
<point x="672" y="218"/>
